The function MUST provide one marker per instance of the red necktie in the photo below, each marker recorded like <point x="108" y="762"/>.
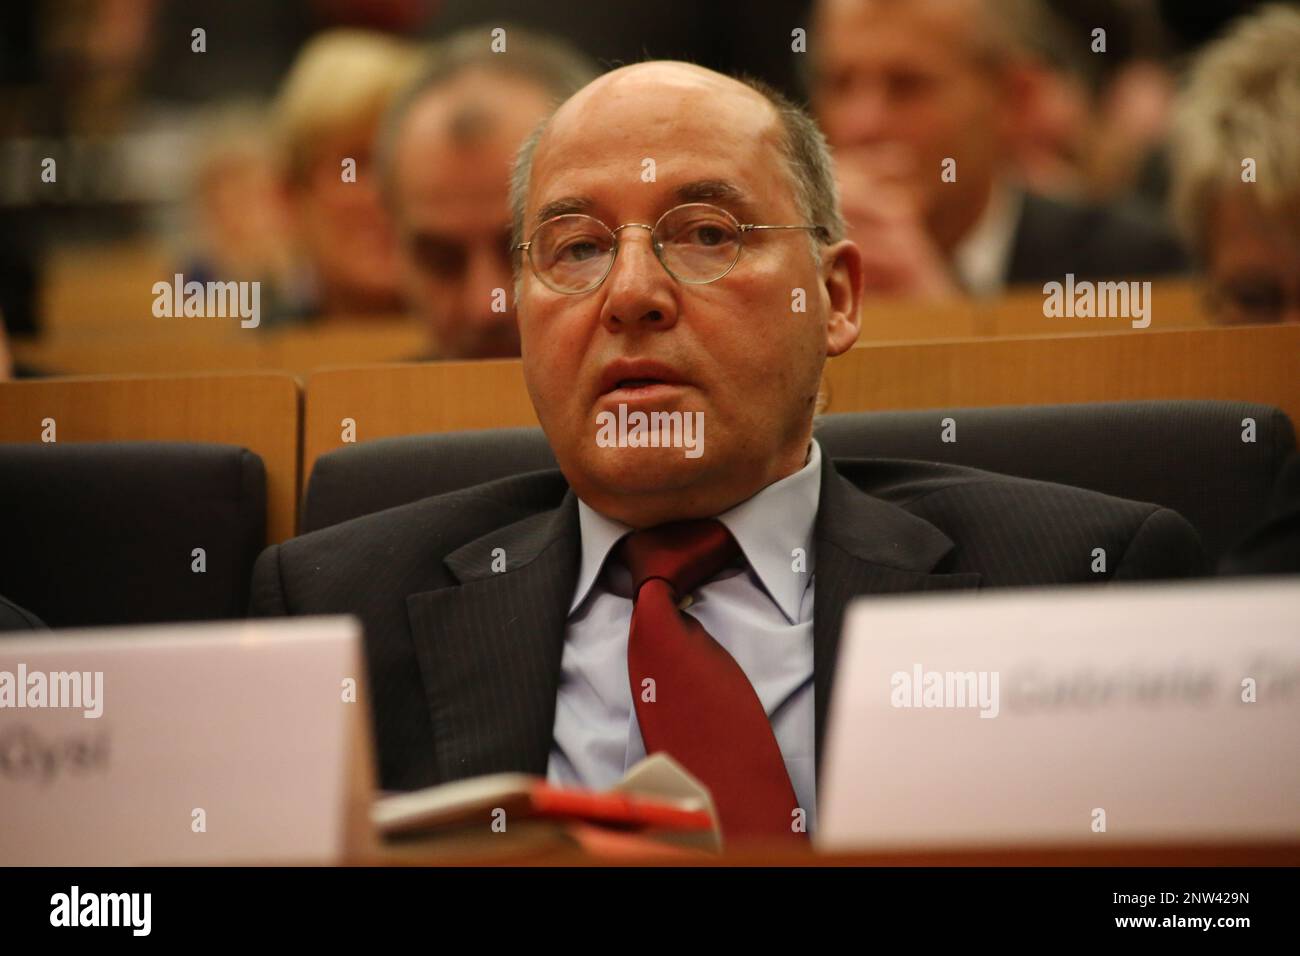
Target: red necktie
<point x="705" y="713"/>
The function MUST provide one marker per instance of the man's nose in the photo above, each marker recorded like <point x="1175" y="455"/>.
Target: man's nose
<point x="638" y="290"/>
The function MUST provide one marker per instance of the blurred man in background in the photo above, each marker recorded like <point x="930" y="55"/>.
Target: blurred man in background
<point x="1236" y="167"/>
<point x="327" y="113"/>
<point x="920" y="101"/>
<point x="445" y="156"/>
<point x="1099" y="120"/>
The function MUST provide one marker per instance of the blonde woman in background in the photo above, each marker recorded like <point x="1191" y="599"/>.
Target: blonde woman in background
<point x="1236" y="167"/>
<point x="327" y="114"/>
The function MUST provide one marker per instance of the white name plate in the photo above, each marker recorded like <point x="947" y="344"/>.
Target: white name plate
<point x="1162" y="713"/>
<point x="186" y="743"/>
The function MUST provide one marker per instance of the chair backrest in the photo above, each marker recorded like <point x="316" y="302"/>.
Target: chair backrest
<point x="1189" y="456"/>
<point x="360" y="479"/>
<point x="100" y="533"/>
<point x="360" y="404"/>
<point x="258" y="411"/>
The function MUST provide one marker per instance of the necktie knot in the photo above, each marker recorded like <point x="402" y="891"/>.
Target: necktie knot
<point x="684" y="553"/>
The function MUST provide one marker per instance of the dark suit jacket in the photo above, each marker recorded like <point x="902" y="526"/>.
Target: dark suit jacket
<point x="464" y="663"/>
<point x="15" y="618"/>
<point x="1273" y="546"/>
<point x="1054" y="237"/>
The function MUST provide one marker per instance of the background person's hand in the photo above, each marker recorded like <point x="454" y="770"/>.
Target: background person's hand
<point x="883" y="209"/>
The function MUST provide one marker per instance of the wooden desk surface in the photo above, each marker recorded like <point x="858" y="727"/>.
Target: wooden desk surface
<point x="553" y="854"/>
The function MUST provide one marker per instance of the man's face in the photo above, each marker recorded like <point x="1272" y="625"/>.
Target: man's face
<point x="898" y="79"/>
<point x="451" y="182"/>
<point x="734" y="349"/>
<point x="344" y="228"/>
<point x="1253" y="262"/>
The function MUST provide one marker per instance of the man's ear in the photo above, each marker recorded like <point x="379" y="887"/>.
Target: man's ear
<point x="842" y="280"/>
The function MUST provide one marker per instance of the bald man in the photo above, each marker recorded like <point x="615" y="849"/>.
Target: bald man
<point x="678" y="584"/>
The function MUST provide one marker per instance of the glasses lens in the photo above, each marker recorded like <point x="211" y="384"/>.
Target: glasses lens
<point x="572" y="253"/>
<point x="698" y="242"/>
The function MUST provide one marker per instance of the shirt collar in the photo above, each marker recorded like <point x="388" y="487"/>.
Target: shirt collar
<point x="768" y="527"/>
<point x="981" y="258"/>
<point x="599" y="535"/>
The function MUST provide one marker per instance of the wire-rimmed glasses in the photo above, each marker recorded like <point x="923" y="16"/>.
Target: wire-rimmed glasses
<point x="697" y="243"/>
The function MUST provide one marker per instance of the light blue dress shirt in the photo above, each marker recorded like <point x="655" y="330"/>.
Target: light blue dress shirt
<point x="762" y="614"/>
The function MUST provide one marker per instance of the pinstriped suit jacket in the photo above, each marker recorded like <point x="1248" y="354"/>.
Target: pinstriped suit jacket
<point x="464" y="662"/>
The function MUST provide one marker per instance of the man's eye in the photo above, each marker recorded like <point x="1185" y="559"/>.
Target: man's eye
<point x="703" y="233"/>
<point x="579" y="250"/>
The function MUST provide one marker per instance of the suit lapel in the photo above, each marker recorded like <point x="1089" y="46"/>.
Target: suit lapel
<point x="489" y="647"/>
<point x="865" y="546"/>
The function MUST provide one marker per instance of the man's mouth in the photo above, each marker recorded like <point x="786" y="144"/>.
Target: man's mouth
<point x="638" y="378"/>
<point x="636" y="383"/>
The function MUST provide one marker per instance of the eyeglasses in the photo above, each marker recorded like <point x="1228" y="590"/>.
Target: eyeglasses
<point x="696" y="243"/>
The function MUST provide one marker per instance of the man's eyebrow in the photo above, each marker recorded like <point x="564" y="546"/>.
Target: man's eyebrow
<point x="701" y="190"/>
<point x="714" y="191"/>
<point x="564" y="206"/>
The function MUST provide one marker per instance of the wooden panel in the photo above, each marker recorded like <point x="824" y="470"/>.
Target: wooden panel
<point x="1175" y="304"/>
<point x="886" y="320"/>
<point x="1259" y="363"/>
<point x="216" y="345"/>
<point x="303" y="349"/>
<point x="102" y="285"/>
<point x="147" y="355"/>
<point x="412" y="398"/>
<point x="257" y="411"/>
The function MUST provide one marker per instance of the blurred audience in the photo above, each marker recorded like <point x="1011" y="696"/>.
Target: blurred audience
<point x="1236" y="167"/>
<point x="6" y="363"/>
<point x="1099" y="105"/>
<point x="922" y="102"/>
<point x="328" y="112"/>
<point x="446" y="152"/>
<point x="238" y="226"/>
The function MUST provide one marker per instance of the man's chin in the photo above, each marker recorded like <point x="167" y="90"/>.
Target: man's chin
<point x="641" y="471"/>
